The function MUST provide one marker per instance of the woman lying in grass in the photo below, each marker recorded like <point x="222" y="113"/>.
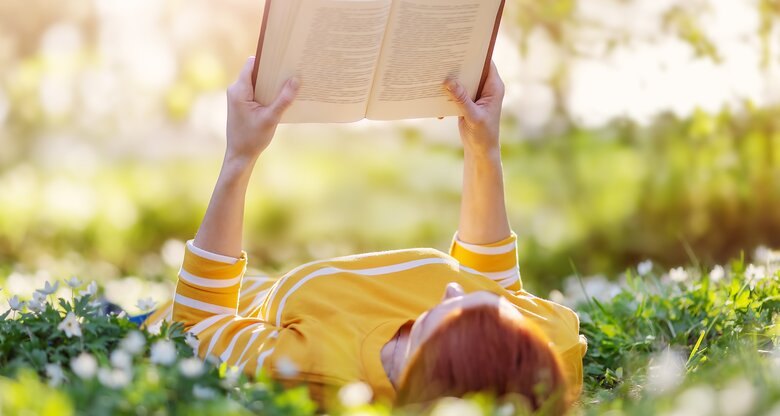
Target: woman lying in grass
<point x="415" y="324"/>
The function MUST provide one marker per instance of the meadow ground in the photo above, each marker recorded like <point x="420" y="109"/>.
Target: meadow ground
<point x="683" y="342"/>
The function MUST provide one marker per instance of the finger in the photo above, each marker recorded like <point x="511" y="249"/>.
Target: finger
<point x="460" y="96"/>
<point x="494" y="86"/>
<point x="286" y="97"/>
<point x="243" y="89"/>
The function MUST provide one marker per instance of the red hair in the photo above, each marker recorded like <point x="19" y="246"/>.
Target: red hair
<point x="481" y="350"/>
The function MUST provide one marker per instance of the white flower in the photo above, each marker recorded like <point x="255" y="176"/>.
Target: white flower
<point x="48" y="288"/>
<point x="15" y="303"/>
<point x="121" y="359"/>
<point x="113" y="378"/>
<point x="163" y="352"/>
<point x="203" y="393"/>
<point x="38" y="302"/>
<point x="55" y="374"/>
<point x="145" y="305"/>
<point x="35" y="306"/>
<point x="84" y="365"/>
<point x="286" y="367"/>
<point x="697" y="401"/>
<point x="231" y="377"/>
<point x="192" y="342"/>
<point x="155" y="328"/>
<point x="598" y="287"/>
<point x="191" y="367"/>
<point x="557" y="297"/>
<point x="666" y="371"/>
<point x="355" y="394"/>
<point x="644" y="267"/>
<point x="737" y="399"/>
<point x="754" y="273"/>
<point x="678" y="275"/>
<point x="73" y="282"/>
<point x="717" y="274"/>
<point x="90" y="291"/>
<point x="172" y="253"/>
<point x="133" y="342"/>
<point x="451" y="406"/>
<point x="765" y="255"/>
<point x="506" y="409"/>
<point x="70" y="325"/>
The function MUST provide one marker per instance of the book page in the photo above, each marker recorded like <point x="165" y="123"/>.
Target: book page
<point x="279" y="25"/>
<point x="334" y="50"/>
<point x="428" y="41"/>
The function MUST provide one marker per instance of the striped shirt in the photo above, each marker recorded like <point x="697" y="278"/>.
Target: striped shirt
<point x="325" y="322"/>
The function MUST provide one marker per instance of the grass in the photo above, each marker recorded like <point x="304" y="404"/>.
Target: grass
<point x="690" y="342"/>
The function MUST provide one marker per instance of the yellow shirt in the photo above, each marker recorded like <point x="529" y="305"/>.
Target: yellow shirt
<point x="325" y="322"/>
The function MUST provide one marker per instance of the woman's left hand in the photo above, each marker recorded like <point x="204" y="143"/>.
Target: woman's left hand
<point x="250" y="125"/>
<point x="481" y="120"/>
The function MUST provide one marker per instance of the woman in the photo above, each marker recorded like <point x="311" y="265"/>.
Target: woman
<point x="414" y="324"/>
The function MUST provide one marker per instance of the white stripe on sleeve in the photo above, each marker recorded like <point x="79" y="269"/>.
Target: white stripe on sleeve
<point x="514" y="271"/>
<point x="506" y="248"/>
<point x="509" y="281"/>
<point x="211" y="283"/>
<point x="209" y="255"/>
<point x="203" y="306"/>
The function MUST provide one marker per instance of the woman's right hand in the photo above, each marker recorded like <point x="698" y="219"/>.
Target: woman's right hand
<point x="251" y="126"/>
<point x="479" y="124"/>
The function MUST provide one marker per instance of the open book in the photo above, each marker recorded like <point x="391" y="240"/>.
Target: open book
<point x="376" y="59"/>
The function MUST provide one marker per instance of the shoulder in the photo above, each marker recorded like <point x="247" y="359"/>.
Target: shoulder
<point x="559" y="322"/>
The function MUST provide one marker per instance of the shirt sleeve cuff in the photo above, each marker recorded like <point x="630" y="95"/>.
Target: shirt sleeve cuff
<point x="209" y="255"/>
<point x="506" y="245"/>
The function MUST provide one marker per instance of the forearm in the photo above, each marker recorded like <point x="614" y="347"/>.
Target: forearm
<point x="483" y="217"/>
<point x="250" y="128"/>
<point x="221" y="231"/>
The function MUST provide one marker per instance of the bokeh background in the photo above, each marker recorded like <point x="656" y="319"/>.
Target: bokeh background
<point x="632" y="130"/>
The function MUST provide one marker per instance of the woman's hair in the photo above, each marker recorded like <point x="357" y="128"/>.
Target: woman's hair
<point x="481" y="350"/>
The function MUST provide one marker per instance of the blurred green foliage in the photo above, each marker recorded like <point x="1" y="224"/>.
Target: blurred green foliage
<point x="98" y="169"/>
<point x="702" y="189"/>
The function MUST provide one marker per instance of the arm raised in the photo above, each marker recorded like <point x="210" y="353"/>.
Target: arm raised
<point x="483" y="217"/>
<point x="250" y="128"/>
<point x="207" y="291"/>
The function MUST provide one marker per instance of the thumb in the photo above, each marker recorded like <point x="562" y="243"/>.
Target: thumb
<point x="243" y="85"/>
<point x="286" y="97"/>
<point x="460" y="96"/>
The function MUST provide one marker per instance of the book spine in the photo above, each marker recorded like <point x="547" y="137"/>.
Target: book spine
<point x="489" y="57"/>
<point x="261" y="40"/>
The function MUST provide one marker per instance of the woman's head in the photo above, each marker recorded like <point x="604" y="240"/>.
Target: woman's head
<point x="479" y="342"/>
